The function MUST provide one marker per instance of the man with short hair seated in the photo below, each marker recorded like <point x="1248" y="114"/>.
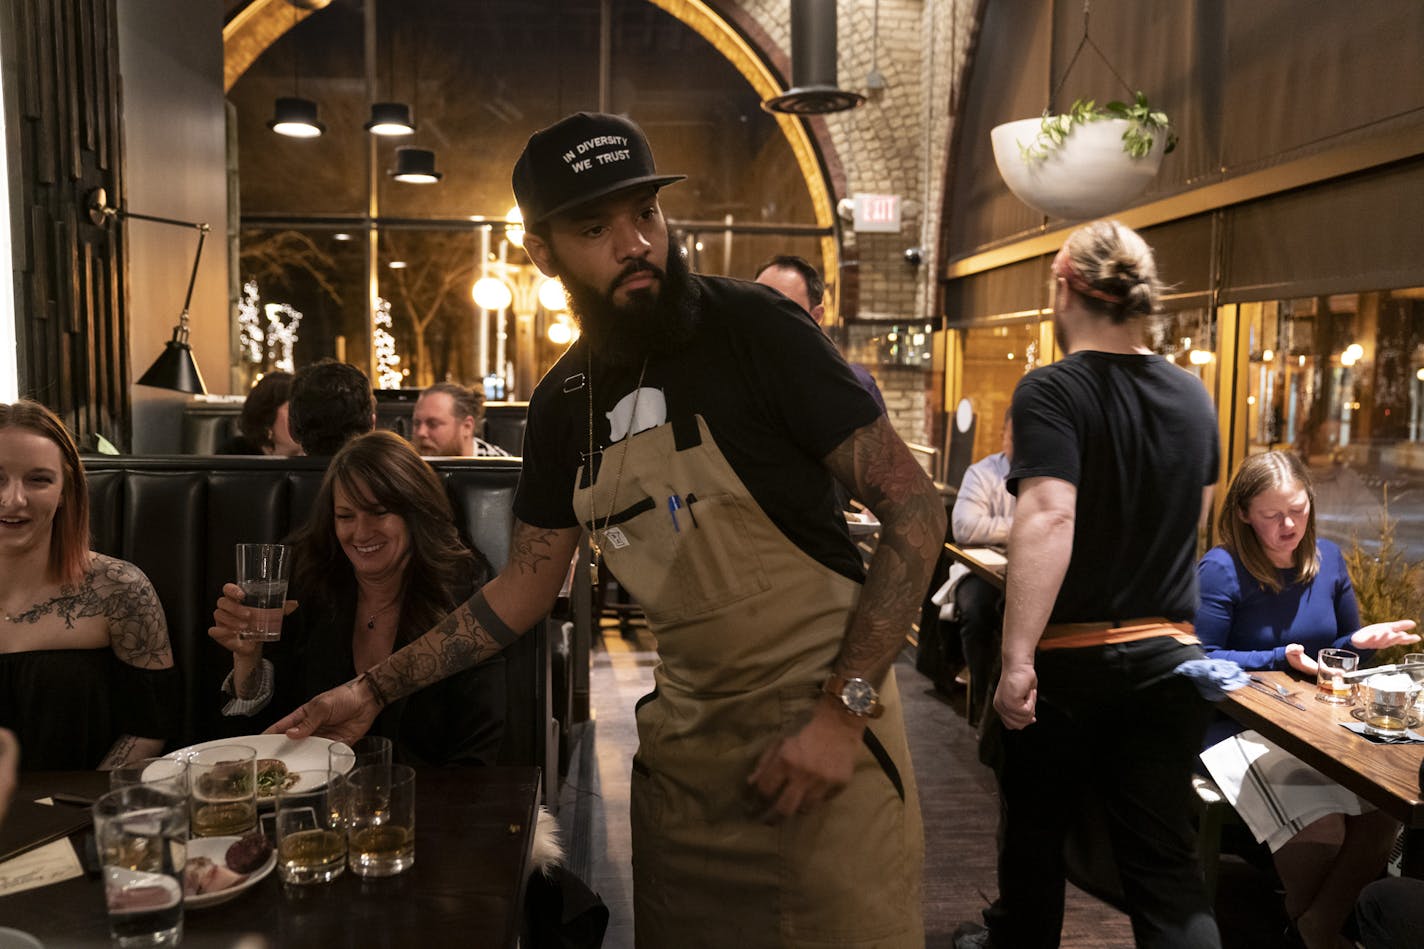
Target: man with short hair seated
<point x="445" y="420"/>
<point x="331" y="403"/>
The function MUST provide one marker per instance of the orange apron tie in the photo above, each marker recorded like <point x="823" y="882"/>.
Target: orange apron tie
<point x="1077" y="635"/>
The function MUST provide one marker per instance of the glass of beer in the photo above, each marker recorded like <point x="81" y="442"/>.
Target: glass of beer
<point x="1330" y="682"/>
<point x="223" y="783"/>
<point x="380" y="819"/>
<point x="262" y="572"/>
<point x="311" y="828"/>
<point x="141" y="836"/>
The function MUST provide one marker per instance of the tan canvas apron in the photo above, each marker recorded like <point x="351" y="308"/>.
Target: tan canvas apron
<point x="747" y="626"/>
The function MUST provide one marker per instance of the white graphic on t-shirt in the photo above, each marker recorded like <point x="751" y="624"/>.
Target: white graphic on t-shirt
<point x="652" y="412"/>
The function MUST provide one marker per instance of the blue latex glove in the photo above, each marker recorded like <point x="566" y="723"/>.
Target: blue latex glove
<point x="1213" y="677"/>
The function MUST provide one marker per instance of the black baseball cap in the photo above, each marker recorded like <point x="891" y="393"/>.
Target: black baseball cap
<point x="579" y="158"/>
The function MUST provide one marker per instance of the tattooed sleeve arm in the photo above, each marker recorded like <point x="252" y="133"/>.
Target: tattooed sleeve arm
<point x="128" y="748"/>
<point x="876" y="467"/>
<point x="507" y="606"/>
<point x="138" y="630"/>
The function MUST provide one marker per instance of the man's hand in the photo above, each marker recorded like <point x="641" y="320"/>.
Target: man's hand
<point x="344" y="713"/>
<point x="1384" y="635"/>
<point x="1299" y="661"/>
<point x="1016" y="697"/>
<point x="798" y="773"/>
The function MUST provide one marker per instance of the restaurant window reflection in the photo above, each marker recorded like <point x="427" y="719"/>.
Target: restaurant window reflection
<point x="996" y="356"/>
<point x="1339" y="379"/>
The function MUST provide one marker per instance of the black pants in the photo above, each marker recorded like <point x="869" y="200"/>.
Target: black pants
<point x="1390" y="913"/>
<point x="1116" y="725"/>
<point x="980" y="605"/>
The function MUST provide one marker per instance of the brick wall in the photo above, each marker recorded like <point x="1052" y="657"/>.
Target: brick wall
<point x="896" y="143"/>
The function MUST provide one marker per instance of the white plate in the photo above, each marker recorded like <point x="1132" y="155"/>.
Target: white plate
<point x="861" y="523"/>
<point x="309" y="754"/>
<point x="215" y="849"/>
<point x="14" y="939"/>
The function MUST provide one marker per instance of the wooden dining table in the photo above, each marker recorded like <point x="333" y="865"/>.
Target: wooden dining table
<point x="987" y="563"/>
<point x="1386" y="775"/>
<point x="473" y="840"/>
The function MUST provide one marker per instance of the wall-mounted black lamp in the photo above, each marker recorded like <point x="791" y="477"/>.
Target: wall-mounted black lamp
<point x="175" y="368"/>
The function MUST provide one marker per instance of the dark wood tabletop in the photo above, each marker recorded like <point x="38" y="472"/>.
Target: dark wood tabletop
<point x="990" y="570"/>
<point x="474" y="834"/>
<point x="1386" y="775"/>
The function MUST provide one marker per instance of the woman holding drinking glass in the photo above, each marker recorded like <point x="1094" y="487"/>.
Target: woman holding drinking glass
<point x="86" y="672"/>
<point x="378" y="563"/>
<point x="1272" y="596"/>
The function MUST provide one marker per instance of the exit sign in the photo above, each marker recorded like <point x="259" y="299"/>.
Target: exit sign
<point x="877" y="213"/>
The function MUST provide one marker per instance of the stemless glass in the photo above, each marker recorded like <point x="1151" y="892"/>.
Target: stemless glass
<point x="380" y="820"/>
<point x="170" y="774"/>
<point x="370" y="749"/>
<point x="311" y="828"/>
<point x="262" y="572"/>
<point x="141" y="836"/>
<point x="223" y="781"/>
<point x="1330" y="683"/>
<point x="1417" y="673"/>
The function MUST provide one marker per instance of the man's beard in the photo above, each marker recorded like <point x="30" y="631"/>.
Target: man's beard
<point x="656" y="320"/>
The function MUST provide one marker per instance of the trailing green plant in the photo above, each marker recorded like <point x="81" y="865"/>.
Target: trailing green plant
<point x="1388" y="586"/>
<point x="1144" y="125"/>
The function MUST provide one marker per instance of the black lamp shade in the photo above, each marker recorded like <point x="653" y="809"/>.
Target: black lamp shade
<point x="175" y="369"/>
<point x="296" y="118"/>
<point x="390" y="118"/>
<point x="415" y="166"/>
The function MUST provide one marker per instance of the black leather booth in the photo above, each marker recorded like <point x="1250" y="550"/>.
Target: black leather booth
<point x="179" y="517"/>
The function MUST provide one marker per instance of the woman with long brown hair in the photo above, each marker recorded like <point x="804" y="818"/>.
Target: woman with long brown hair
<point x="378" y="562"/>
<point x="86" y="672"/>
<point x="1273" y="594"/>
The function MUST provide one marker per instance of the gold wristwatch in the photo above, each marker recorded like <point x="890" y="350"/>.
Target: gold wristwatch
<point x="856" y="695"/>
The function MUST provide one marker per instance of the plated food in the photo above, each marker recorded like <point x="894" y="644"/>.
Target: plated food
<point x="220" y="868"/>
<point x="278" y="758"/>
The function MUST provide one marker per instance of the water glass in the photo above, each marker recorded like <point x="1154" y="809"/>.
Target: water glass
<point x="170" y="774"/>
<point x="370" y="749"/>
<point x="380" y="819"/>
<point x="223" y="780"/>
<point x="1330" y="682"/>
<point x="141" y="836"/>
<point x="262" y="572"/>
<point x="311" y="828"/>
<point x="1417" y="674"/>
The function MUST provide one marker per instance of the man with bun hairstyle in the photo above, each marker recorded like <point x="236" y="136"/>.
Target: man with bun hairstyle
<point x="696" y="431"/>
<point x="1115" y="455"/>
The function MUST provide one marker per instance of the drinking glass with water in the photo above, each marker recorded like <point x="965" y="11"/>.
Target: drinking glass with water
<point x="141" y="834"/>
<point x="262" y="572"/>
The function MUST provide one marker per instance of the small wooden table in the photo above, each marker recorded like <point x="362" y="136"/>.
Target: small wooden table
<point x="987" y="563"/>
<point x="1385" y="775"/>
<point x="473" y="838"/>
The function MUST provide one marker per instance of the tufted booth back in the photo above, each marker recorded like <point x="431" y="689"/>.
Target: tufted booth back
<point x="178" y="518"/>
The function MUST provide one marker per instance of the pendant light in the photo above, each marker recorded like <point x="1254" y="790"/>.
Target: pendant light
<point x="292" y="115"/>
<point x="415" y="166"/>
<point x="390" y="118"/>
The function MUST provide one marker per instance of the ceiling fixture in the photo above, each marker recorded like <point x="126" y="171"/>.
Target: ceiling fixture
<point x="175" y="367"/>
<point x="292" y="115"/>
<point x="415" y="166"/>
<point x="390" y="118"/>
<point x="813" y="64"/>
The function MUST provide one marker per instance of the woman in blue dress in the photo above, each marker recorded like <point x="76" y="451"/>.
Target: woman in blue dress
<point x="1272" y="596"/>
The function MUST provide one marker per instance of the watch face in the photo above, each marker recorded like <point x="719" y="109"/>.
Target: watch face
<point x="859" y="696"/>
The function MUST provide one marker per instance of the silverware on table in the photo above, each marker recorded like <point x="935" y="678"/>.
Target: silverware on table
<point x="1262" y="687"/>
<point x="1285" y="692"/>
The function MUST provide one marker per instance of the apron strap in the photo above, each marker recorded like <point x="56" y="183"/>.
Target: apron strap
<point x="887" y="764"/>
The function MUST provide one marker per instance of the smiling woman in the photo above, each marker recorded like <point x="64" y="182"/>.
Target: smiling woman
<point x="378" y="563"/>
<point x="74" y="622"/>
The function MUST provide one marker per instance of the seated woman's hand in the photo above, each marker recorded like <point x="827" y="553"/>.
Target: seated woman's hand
<point x="1299" y="661"/>
<point x="1384" y="635"/>
<point x="230" y="618"/>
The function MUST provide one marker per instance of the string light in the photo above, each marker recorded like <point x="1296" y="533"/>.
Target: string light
<point x="388" y="373"/>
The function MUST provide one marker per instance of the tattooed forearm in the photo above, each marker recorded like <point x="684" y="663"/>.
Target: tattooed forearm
<point x="876" y="467"/>
<point x="119" y="753"/>
<point x="249" y="684"/>
<point x="457" y="642"/>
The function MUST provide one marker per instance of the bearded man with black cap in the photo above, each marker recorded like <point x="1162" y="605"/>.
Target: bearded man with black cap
<point x="696" y="430"/>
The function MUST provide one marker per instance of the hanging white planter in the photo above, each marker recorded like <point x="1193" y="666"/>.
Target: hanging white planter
<point x="1088" y="175"/>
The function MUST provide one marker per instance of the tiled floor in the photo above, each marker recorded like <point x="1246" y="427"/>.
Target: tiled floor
<point x="957" y="800"/>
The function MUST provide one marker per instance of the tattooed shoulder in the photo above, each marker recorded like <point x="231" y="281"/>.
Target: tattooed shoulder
<point x="138" y="630"/>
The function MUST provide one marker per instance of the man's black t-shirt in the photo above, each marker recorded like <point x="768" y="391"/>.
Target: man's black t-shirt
<point x="776" y="396"/>
<point x="1137" y="436"/>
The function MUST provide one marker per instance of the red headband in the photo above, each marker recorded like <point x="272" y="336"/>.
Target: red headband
<point x="1063" y="267"/>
